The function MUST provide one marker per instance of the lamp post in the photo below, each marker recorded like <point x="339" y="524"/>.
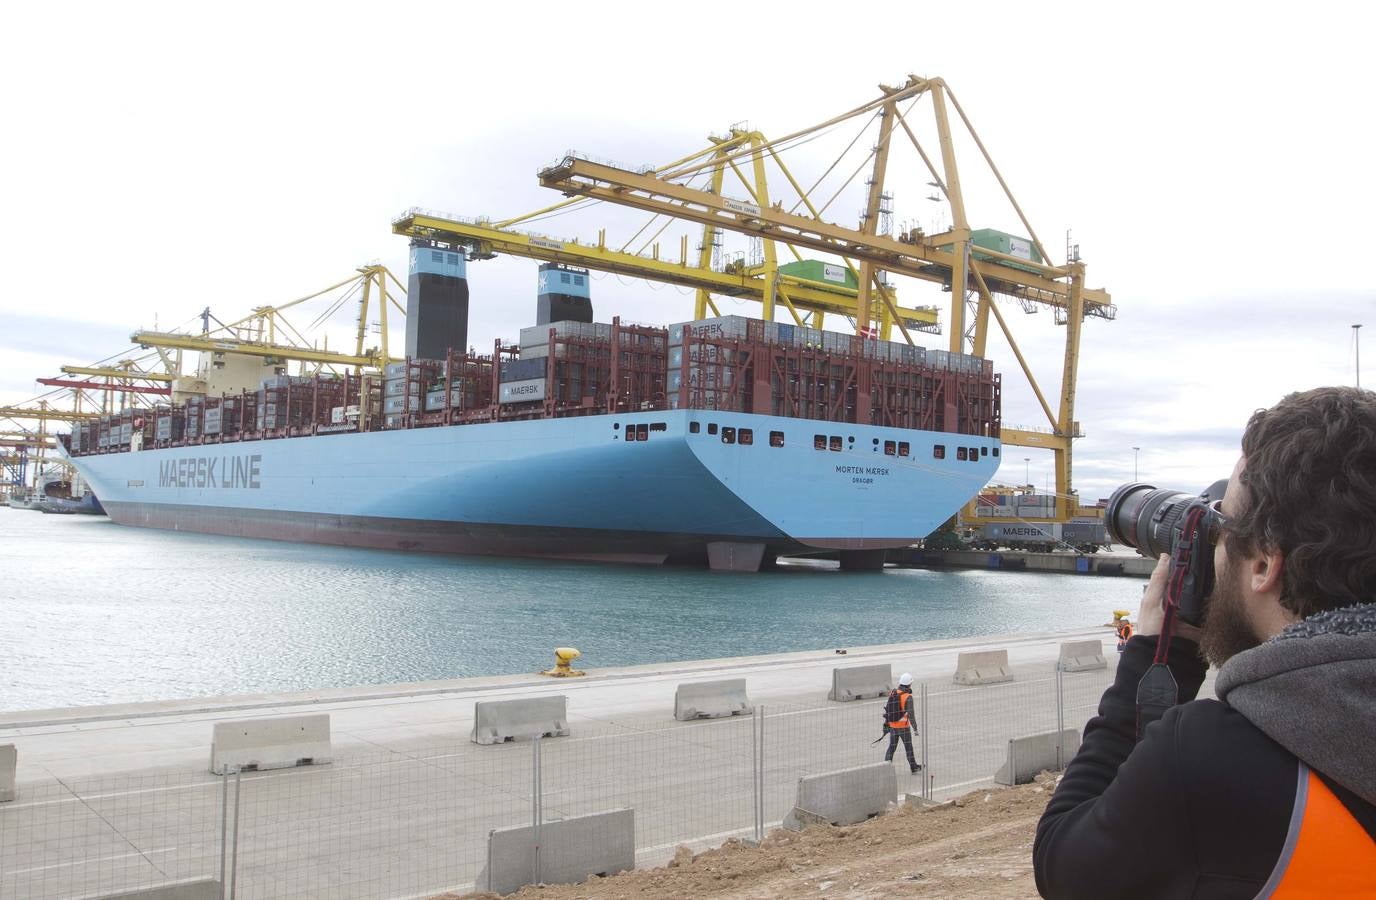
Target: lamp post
<point x="1026" y="477"/>
<point x="1357" y="343"/>
<point x="1134" y="462"/>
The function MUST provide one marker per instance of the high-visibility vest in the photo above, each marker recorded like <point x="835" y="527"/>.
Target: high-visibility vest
<point x="1124" y="631"/>
<point x="1327" y="852"/>
<point x="902" y="723"/>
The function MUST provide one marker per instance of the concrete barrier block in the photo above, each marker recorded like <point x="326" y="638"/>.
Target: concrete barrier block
<point x="860" y="682"/>
<point x="200" y="889"/>
<point x="984" y="667"/>
<point x="1082" y="656"/>
<point x="495" y="721"/>
<point x="844" y="797"/>
<point x="9" y="761"/>
<point x="257" y="744"/>
<point x="570" y="851"/>
<point x="1035" y="753"/>
<point x="711" y="699"/>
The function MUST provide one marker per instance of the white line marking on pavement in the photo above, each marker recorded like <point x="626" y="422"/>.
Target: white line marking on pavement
<point x="90" y="862"/>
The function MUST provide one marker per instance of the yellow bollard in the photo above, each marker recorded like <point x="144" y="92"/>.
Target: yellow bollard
<point x="562" y="657"/>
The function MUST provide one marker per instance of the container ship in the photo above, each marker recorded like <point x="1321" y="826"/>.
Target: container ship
<point x="747" y="440"/>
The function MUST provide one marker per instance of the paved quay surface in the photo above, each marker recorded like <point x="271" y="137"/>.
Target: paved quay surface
<point x="120" y="797"/>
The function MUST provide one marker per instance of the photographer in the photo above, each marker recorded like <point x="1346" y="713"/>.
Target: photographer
<point x="1271" y="789"/>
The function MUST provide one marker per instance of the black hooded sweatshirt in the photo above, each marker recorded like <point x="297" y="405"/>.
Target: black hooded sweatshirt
<point x="1201" y="806"/>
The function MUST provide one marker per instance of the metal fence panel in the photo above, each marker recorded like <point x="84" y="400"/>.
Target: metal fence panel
<point x="109" y="834"/>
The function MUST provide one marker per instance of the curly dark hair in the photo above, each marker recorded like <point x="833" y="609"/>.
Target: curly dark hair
<point x="1310" y="479"/>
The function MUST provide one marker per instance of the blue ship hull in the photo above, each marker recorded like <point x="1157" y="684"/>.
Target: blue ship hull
<point x="568" y="488"/>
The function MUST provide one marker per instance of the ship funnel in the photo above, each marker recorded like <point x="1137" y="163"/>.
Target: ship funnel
<point x="436" y="300"/>
<point x="564" y="295"/>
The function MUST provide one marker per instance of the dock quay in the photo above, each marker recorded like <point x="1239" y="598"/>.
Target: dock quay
<point x="121" y="798"/>
<point x="1020" y="560"/>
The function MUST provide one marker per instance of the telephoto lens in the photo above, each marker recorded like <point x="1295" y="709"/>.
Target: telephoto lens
<point x="1145" y="517"/>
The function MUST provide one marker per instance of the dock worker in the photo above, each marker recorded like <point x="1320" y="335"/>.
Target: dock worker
<point x="1124" y="628"/>
<point x="898" y="720"/>
<point x="1270" y="790"/>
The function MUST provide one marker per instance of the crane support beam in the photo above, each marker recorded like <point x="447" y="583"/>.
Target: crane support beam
<point x="929" y="259"/>
<point x="106" y="386"/>
<point x="45" y="415"/>
<point x="115" y="373"/>
<point x="805" y="294"/>
<point x="1040" y="440"/>
<point x="250" y="348"/>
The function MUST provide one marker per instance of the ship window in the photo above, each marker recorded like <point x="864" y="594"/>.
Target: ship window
<point x="903" y="448"/>
<point x="938" y="451"/>
<point x="996" y="451"/>
<point x="819" y="442"/>
<point x="728" y="435"/>
<point x="776" y="438"/>
<point x="974" y="454"/>
<point x="630" y="432"/>
<point x="711" y="427"/>
<point x="875" y="442"/>
<point x="836" y="442"/>
<point x="436" y="256"/>
<point x="642" y="432"/>
<point x="961" y="453"/>
<point x="578" y="280"/>
<point x="659" y="426"/>
<point x="452" y="259"/>
<point x="616" y="426"/>
<point x="694" y="427"/>
<point x="563" y="277"/>
<point x="747" y="436"/>
<point x="890" y="448"/>
<point x="983" y="451"/>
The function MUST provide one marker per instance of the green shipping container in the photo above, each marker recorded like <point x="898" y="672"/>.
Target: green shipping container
<point x="1003" y="242"/>
<point x="821" y="272"/>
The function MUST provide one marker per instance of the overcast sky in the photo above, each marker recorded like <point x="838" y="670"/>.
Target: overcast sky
<point x="1212" y="160"/>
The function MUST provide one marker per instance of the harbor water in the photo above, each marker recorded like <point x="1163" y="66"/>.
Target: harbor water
<point x="97" y="613"/>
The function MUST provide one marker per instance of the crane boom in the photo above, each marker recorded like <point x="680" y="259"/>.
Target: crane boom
<point x="252" y="348"/>
<point x="927" y="258"/>
<point x="102" y="372"/>
<point x="46" y="415"/>
<point x="487" y="239"/>
<point x="106" y="386"/>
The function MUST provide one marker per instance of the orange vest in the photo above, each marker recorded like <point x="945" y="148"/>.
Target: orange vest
<point x="1124" y="631"/>
<point x="901" y="724"/>
<point x="1327" y="852"/>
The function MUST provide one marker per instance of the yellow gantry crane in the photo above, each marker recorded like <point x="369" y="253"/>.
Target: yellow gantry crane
<point x="973" y="272"/>
<point x="806" y="300"/>
<point x="267" y="333"/>
<point x="38" y="440"/>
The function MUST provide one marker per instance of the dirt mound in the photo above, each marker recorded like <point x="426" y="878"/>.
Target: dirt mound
<point x="978" y="846"/>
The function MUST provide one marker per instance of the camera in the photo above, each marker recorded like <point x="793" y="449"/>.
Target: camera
<point x="1154" y="521"/>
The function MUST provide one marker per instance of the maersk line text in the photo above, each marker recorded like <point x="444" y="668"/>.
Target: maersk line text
<point x="212" y="472"/>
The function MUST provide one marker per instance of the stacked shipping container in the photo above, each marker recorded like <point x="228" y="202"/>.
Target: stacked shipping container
<point x="575" y="368"/>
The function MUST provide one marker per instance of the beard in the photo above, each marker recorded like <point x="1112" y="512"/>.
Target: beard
<point x="1227" y="630"/>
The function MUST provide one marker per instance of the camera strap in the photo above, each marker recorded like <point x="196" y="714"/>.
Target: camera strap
<point x="1158" y="691"/>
